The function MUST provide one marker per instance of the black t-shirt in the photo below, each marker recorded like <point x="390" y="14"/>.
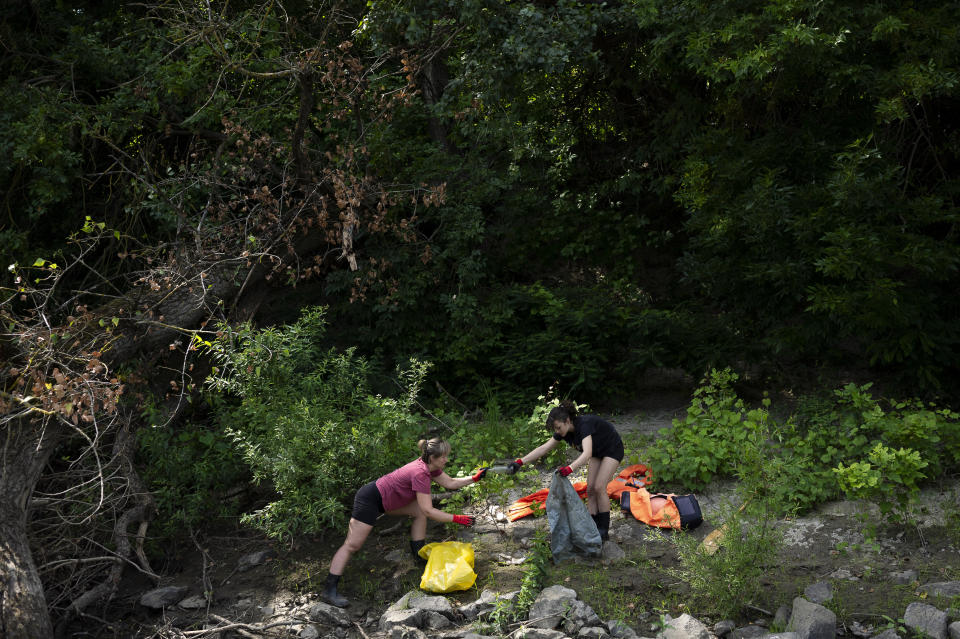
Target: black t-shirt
<point x="606" y="440"/>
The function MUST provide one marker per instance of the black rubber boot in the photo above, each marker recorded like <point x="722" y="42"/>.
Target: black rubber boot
<point x="330" y="595"/>
<point x="415" y="546"/>
<point x="603" y="525"/>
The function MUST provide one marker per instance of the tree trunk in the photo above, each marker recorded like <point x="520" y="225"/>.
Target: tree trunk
<point x="433" y="84"/>
<point x="23" y="606"/>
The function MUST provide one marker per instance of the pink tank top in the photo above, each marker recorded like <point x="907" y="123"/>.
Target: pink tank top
<point x="399" y="488"/>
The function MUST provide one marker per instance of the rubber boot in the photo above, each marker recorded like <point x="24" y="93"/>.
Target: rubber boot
<point x="330" y="592"/>
<point x="415" y="546"/>
<point x="603" y="525"/>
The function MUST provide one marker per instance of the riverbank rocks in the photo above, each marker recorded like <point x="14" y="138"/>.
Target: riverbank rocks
<point x="926" y="620"/>
<point x="684" y="627"/>
<point x="159" y="598"/>
<point x="550" y="605"/>
<point x="486" y="604"/>
<point x="943" y="588"/>
<point x="255" y="559"/>
<point x="818" y="593"/>
<point x="812" y="621"/>
<point x="556" y="613"/>
<point x="324" y="613"/>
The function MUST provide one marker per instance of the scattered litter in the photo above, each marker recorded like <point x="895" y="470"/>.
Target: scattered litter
<point x="505" y="559"/>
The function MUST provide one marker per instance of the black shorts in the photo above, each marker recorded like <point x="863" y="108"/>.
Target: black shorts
<point x="367" y="504"/>
<point x="615" y="451"/>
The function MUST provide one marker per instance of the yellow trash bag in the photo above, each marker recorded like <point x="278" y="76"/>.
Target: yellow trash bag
<point x="449" y="566"/>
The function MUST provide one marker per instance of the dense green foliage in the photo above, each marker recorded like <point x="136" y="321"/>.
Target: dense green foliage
<point x="524" y="194"/>
<point x="685" y="181"/>
<point x="866" y="446"/>
<point x="627" y="185"/>
<point x="307" y="422"/>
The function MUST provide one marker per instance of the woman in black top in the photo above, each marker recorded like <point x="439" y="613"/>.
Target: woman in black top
<point x="598" y="443"/>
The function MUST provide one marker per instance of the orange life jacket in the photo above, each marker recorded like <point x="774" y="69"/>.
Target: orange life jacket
<point x="654" y="510"/>
<point x="526" y="505"/>
<point x="660" y="510"/>
<point x="630" y="478"/>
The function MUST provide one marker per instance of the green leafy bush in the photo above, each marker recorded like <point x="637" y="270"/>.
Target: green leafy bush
<point x="709" y="440"/>
<point x="306" y="421"/>
<point x="794" y="461"/>
<point x="890" y="478"/>
<point x="847" y="428"/>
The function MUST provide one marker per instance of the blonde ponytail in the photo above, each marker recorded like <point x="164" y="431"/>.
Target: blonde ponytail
<point x="435" y="447"/>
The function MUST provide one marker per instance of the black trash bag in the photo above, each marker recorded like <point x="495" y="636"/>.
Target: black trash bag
<point x="572" y="529"/>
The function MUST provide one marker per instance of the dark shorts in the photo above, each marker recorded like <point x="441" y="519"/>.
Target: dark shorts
<point x="615" y="451"/>
<point x="367" y="504"/>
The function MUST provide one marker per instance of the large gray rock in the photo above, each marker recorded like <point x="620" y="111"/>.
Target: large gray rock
<point x="394" y="618"/>
<point x="255" y="559"/>
<point x="578" y="616"/>
<point x="782" y="616"/>
<point x="308" y="632"/>
<point x="530" y="632"/>
<point x="593" y="632"/>
<point x="611" y="553"/>
<point x="549" y="607"/>
<point x="407" y="632"/>
<point x="620" y="630"/>
<point x="434" y="621"/>
<point x="812" y="621"/>
<point x="194" y="602"/>
<point x="685" y="627"/>
<point x="954" y="630"/>
<point x="161" y="597"/>
<point x="324" y="613"/>
<point x="487" y="602"/>
<point x="818" y="593"/>
<point x="889" y="633"/>
<point x="403" y="603"/>
<point x="748" y="632"/>
<point x="903" y="577"/>
<point x="943" y="588"/>
<point x="723" y="628"/>
<point x="926" y="619"/>
<point x="437" y="604"/>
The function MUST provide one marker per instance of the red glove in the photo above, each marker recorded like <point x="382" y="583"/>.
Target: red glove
<point x="514" y="466"/>
<point x="463" y="520"/>
<point x="479" y="475"/>
<point x="564" y="471"/>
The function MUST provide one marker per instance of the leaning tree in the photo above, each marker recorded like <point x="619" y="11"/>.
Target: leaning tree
<point x="220" y="158"/>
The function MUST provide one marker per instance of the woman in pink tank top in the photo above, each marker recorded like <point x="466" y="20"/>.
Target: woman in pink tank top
<point x="405" y="491"/>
